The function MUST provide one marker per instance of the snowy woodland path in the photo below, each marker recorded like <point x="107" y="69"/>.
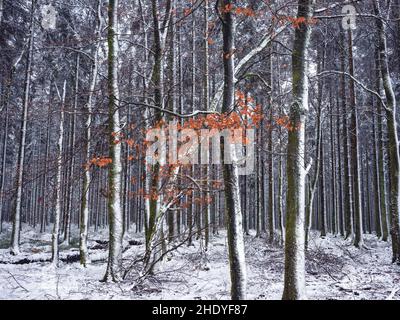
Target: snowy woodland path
<point x="335" y="270"/>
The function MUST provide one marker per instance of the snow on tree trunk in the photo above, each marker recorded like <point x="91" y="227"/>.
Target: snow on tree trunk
<point x="265" y="41"/>
<point x="393" y="143"/>
<point x="58" y="204"/>
<point x="114" y="170"/>
<point x="230" y="171"/>
<point x="70" y="189"/>
<point x="313" y="187"/>
<point x="6" y="103"/>
<point x="84" y="225"/>
<point x="380" y="151"/>
<point x="294" y="280"/>
<point x="15" y="236"/>
<point x="355" y="158"/>
<point x="153" y="205"/>
<point x="347" y="191"/>
<point x="206" y="97"/>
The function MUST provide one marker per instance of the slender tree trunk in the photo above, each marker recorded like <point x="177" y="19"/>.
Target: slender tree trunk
<point x="70" y="179"/>
<point x="347" y="191"/>
<point x="16" y="228"/>
<point x="376" y="182"/>
<point x="380" y="150"/>
<point x="58" y="205"/>
<point x="334" y="194"/>
<point x="114" y="173"/>
<point x="280" y="201"/>
<point x="206" y="97"/>
<point x="355" y="157"/>
<point x="271" y="180"/>
<point x="340" y="170"/>
<point x="84" y="223"/>
<point x="44" y="208"/>
<point x="154" y="236"/>
<point x="230" y="171"/>
<point x="323" y="221"/>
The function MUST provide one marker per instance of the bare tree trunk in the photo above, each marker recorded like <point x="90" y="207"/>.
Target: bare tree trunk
<point x="355" y="157"/>
<point x="376" y="182"/>
<point x="340" y="170"/>
<point x="280" y="201"/>
<point x="56" y="226"/>
<point x="321" y="157"/>
<point x="230" y="171"/>
<point x="44" y="214"/>
<point x="15" y="236"/>
<point x="206" y="97"/>
<point x="70" y="189"/>
<point x="294" y="279"/>
<point x="5" y="138"/>
<point x="4" y="158"/>
<point x="271" y="180"/>
<point x="84" y="225"/>
<point x="314" y="182"/>
<point x="114" y="173"/>
<point x="155" y="224"/>
<point x="380" y="151"/>
<point x="334" y="194"/>
<point x="347" y="191"/>
<point x="393" y="144"/>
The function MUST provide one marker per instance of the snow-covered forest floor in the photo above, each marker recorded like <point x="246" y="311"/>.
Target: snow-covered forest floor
<point x="335" y="270"/>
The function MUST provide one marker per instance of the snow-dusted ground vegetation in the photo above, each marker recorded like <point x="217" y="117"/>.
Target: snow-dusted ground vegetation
<point x="334" y="270"/>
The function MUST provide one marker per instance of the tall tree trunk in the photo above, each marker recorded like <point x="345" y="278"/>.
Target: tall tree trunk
<point x="271" y="180"/>
<point x="334" y="194"/>
<point x="323" y="208"/>
<point x="6" y="102"/>
<point x="355" y="156"/>
<point x="84" y="222"/>
<point x="3" y="161"/>
<point x="70" y="179"/>
<point x="321" y="158"/>
<point x="376" y="182"/>
<point x="347" y="191"/>
<point x="340" y="170"/>
<point x="380" y="150"/>
<point x="230" y="171"/>
<point x="58" y="206"/>
<point x="294" y="279"/>
<point x="155" y="222"/>
<point x="393" y="144"/>
<point x="16" y="228"/>
<point x="114" y="173"/>
<point x="206" y="97"/>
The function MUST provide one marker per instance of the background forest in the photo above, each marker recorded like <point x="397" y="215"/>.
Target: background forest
<point x="82" y="82"/>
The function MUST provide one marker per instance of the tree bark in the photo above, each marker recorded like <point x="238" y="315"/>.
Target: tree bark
<point x="115" y="213"/>
<point x="15" y="236"/>
<point x="393" y="144"/>
<point x="294" y="279"/>
<point x="58" y="205"/>
<point x="230" y="171"/>
<point x="355" y="156"/>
